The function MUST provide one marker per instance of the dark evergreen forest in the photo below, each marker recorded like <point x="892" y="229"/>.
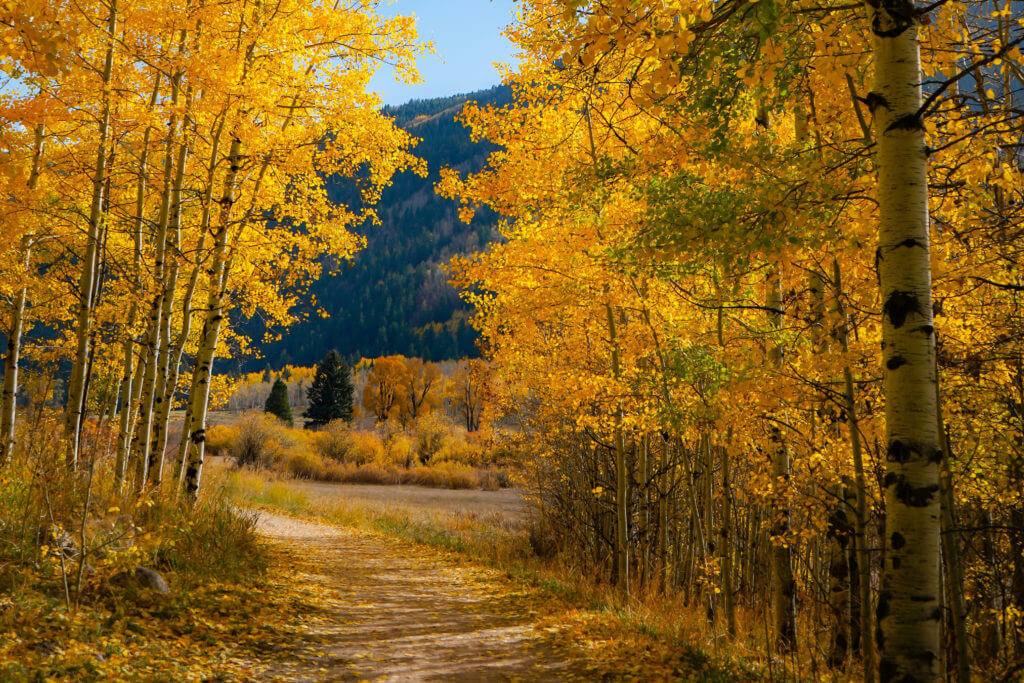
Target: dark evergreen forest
<point x="394" y="297"/>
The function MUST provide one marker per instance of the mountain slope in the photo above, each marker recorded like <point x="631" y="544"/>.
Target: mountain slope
<point x="394" y="296"/>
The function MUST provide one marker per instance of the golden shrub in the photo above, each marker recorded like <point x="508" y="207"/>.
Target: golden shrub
<point x="364" y="447"/>
<point x="220" y="439"/>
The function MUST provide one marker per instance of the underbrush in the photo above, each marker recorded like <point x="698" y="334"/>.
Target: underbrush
<point x="430" y="452"/>
<point x="96" y="584"/>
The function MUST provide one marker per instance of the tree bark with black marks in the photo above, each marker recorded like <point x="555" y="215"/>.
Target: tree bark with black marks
<point x="199" y="398"/>
<point x="908" y="604"/>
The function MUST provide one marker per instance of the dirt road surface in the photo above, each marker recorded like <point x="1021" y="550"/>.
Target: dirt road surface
<point x="392" y="611"/>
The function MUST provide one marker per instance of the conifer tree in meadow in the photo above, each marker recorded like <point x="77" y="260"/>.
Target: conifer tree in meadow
<point x="330" y="395"/>
<point x="277" y="402"/>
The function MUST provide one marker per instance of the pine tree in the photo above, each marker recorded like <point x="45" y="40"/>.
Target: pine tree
<point x="277" y="402"/>
<point x="330" y="395"/>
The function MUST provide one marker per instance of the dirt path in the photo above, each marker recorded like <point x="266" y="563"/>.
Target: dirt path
<point x="394" y="612"/>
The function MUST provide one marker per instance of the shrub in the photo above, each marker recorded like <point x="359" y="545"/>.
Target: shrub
<point x="400" y="451"/>
<point x="220" y="439"/>
<point x="430" y="432"/>
<point x="456" y="449"/>
<point x="333" y="442"/>
<point x="254" y="444"/>
<point x="214" y="541"/>
<point x="372" y="473"/>
<point x="364" y="447"/>
<point x="445" y="475"/>
<point x="304" y="465"/>
<point x="543" y="540"/>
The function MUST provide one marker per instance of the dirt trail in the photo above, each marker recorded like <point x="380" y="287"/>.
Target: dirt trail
<point x="393" y="612"/>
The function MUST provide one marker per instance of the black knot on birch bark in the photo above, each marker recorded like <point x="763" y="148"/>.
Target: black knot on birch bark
<point x="910" y="122"/>
<point x="899" y="305"/>
<point x="895" y="362"/>
<point x="899" y="452"/>
<point x="915" y="496"/>
<point x="874" y="100"/>
<point x="928" y="330"/>
<point x="910" y="242"/>
<point x="897" y="540"/>
<point x="893" y="17"/>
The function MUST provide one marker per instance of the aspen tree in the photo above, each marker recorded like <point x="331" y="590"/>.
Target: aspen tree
<point x="164" y="245"/>
<point x="9" y="402"/>
<point x="166" y="379"/>
<point x="199" y="398"/>
<point x="908" y="602"/>
<point x="89" y="275"/>
<point x="725" y="539"/>
<point x="954" y="573"/>
<point x="204" y="229"/>
<point x="131" y="381"/>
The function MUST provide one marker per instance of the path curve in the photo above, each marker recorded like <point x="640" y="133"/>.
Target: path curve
<point x="391" y="611"/>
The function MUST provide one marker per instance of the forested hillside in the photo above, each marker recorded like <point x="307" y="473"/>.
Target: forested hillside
<point x="394" y="296"/>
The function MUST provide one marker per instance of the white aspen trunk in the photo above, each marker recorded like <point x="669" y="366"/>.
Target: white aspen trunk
<point x="199" y="396"/>
<point x="174" y="369"/>
<point x="839" y="526"/>
<point x="76" y="382"/>
<point x="725" y="530"/>
<point x="784" y="587"/>
<point x="9" y="403"/>
<point x="908" y="603"/>
<point x="204" y="226"/>
<point x="131" y="382"/>
<point x="10" y="396"/>
<point x="199" y="399"/>
<point x="166" y="384"/>
<point x="155" y="357"/>
<point x="143" y="430"/>
<point x="157" y="439"/>
<point x="128" y="382"/>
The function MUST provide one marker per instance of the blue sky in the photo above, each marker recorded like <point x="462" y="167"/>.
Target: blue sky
<point x="467" y="39"/>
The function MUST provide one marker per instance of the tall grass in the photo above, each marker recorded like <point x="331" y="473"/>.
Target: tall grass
<point x="68" y="533"/>
<point x="70" y="546"/>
